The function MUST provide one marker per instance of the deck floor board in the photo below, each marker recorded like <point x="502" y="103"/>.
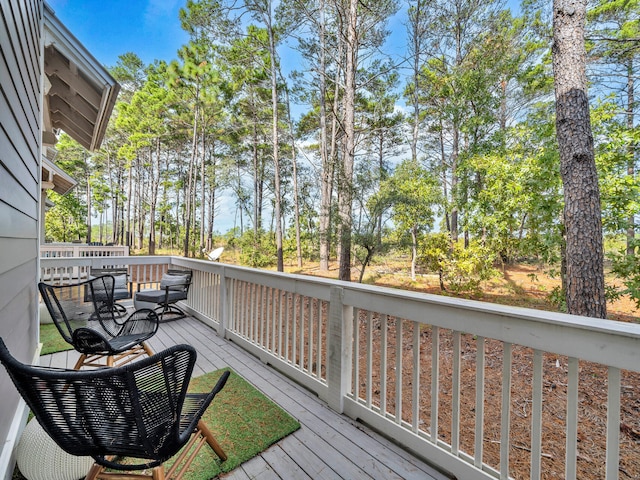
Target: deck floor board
<point x="328" y="445"/>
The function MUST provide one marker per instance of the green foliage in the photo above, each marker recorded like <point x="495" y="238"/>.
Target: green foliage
<point x="257" y="251"/>
<point x="411" y="194"/>
<point x="460" y="269"/>
<point x="558" y="297"/>
<point x="627" y="269"/>
<point x="65" y="221"/>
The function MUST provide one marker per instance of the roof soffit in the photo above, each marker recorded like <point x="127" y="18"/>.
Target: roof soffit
<point x="82" y="94"/>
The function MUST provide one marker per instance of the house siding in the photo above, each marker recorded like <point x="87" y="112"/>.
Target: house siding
<point x="20" y="147"/>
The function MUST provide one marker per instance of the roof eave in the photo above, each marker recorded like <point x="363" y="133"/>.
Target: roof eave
<point x="56" y="35"/>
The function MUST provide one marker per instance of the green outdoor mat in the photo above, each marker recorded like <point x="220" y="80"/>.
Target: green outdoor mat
<point x="52" y="341"/>
<point x="243" y="421"/>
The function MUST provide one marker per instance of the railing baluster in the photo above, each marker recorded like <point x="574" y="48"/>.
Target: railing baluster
<point x="320" y="336"/>
<point x="301" y="354"/>
<point x="288" y="300"/>
<point x="369" y="353"/>
<point x="294" y="323"/>
<point x="398" y="370"/>
<point x="455" y="394"/>
<point x="613" y="423"/>
<point x="311" y="326"/>
<point x="435" y="381"/>
<point x="572" y="420"/>
<point x="280" y="321"/>
<point x="260" y="315"/>
<point x="384" y="324"/>
<point x="505" y="421"/>
<point x="479" y="427"/>
<point x="415" y="414"/>
<point x="355" y="388"/>
<point x="536" y="417"/>
<point x="254" y="314"/>
<point x="266" y="319"/>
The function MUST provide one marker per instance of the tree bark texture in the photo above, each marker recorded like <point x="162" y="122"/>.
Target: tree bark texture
<point x="346" y="177"/>
<point x="585" y="292"/>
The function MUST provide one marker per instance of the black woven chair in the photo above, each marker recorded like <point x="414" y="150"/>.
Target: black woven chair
<point x="122" y="289"/>
<point x="174" y="286"/>
<point x="101" y="335"/>
<point x="127" y="418"/>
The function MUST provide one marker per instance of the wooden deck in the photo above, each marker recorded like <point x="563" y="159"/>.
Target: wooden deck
<point x="327" y="446"/>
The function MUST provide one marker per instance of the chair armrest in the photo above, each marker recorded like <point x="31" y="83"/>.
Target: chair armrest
<point x="202" y="402"/>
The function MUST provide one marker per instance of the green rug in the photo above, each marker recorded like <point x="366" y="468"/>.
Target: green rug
<point x="52" y="341"/>
<point x="242" y="419"/>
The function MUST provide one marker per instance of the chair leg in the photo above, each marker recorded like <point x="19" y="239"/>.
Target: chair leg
<point x="200" y="436"/>
<point x="94" y="471"/>
<point x="213" y="443"/>
<point x="175" y="312"/>
<point x="147" y="349"/>
<point x="158" y="473"/>
<point x="97" y="472"/>
<point x="80" y="362"/>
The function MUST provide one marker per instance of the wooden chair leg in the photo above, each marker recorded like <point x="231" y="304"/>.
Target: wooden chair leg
<point x="94" y="471"/>
<point x="147" y="349"/>
<point x="80" y="362"/>
<point x="158" y="473"/>
<point x="97" y="472"/>
<point x="213" y="443"/>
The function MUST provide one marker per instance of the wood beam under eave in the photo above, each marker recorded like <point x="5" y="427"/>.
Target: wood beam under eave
<point x="63" y="123"/>
<point x="58" y="107"/>
<point x="55" y="65"/>
<point x="60" y="89"/>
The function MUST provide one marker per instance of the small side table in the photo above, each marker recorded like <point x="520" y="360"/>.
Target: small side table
<point x="40" y="458"/>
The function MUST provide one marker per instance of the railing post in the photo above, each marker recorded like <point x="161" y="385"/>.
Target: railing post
<point x="340" y="350"/>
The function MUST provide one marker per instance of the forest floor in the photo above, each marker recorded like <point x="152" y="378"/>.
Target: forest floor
<point x="526" y="286"/>
<point x="523" y="285"/>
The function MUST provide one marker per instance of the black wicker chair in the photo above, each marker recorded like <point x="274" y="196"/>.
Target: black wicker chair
<point x="122" y="289"/>
<point x="128" y="418"/>
<point x="174" y="287"/>
<point x="101" y="335"/>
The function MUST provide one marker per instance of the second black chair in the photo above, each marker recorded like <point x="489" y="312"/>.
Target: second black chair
<point x="102" y="337"/>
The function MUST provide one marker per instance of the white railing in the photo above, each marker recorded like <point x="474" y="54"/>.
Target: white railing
<point x="472" y="387"/>
<point x="69" y="273"/>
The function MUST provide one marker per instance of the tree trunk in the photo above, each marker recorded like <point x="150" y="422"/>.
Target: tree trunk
<point x="190" y="183"/>
<point x="414" y="251"/>
<point x="274" y="132"/>
<point x="631" y="227"/>
<point x="294" y="164"/>
<point x="326" y="175"/>
<point x="582" y="214"/>
<point x="203" y="193"/>
<point x="346" y="177"/>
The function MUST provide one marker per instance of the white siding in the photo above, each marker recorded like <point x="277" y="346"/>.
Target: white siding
<point x="20" y="127"/>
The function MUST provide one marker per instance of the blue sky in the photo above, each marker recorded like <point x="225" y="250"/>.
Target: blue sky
<point x="151" y="29"/>
<point x="109" y="28"/>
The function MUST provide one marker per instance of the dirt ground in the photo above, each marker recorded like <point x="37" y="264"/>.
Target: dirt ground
<point x="527" y="286"/>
